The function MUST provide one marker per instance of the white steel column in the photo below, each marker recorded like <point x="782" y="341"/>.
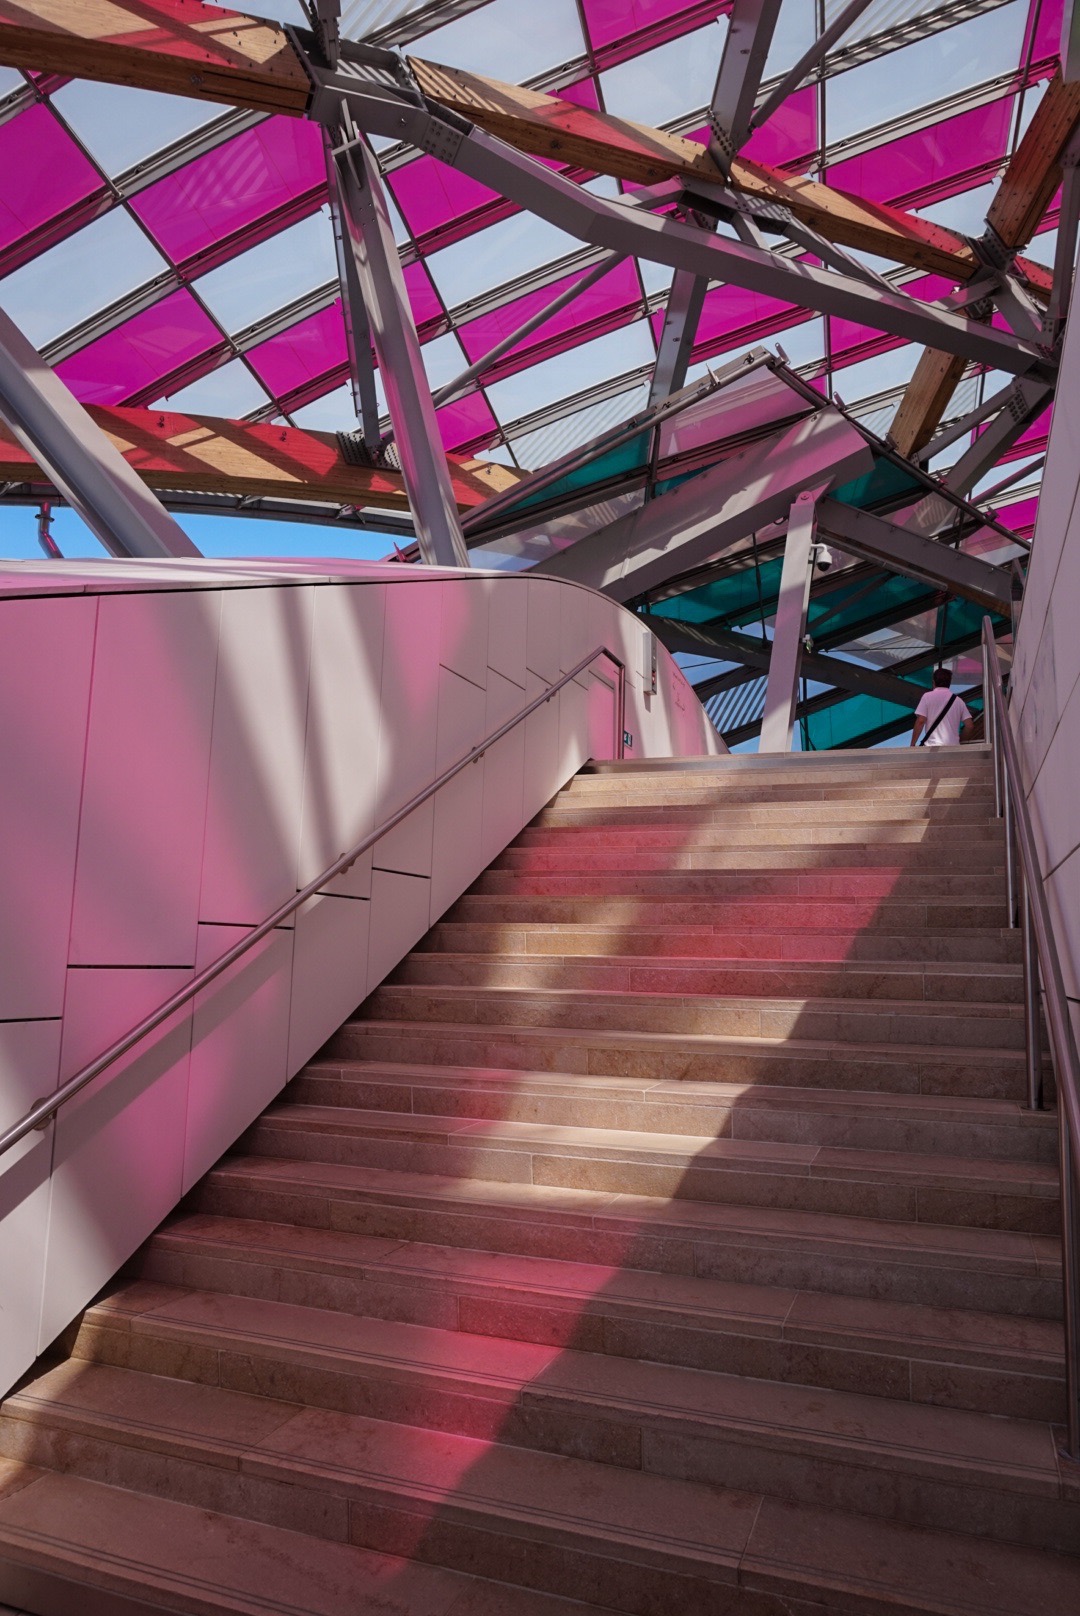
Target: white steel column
<point x="781" y="692"/>
<point x="370" y="237"/>
<point x="75" y="455"/>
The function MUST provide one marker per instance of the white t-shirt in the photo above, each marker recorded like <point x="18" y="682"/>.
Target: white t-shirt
<point x="947" y="732"/>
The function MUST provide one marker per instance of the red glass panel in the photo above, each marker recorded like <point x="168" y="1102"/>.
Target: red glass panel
<point x="936" y="159"/>
<point x="145" y="349"/>
<point x="466" y="421"/>
<point x="618" y="292"/>
<point x="246" y="179"/>
<point x="309" y="349"/>
<point x="42" y="173"/>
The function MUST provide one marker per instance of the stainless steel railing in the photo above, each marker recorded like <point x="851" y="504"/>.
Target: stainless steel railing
<point x="41" y="1113"/>
<point x="1044" y="997"/>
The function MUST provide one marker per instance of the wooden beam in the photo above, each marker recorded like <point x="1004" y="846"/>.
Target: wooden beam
<point x="1027" y="186"/>
<point x="1034" y="173"/>
<point x="546" y="126"/>
<point x="925" y="400"/>
<point x="179" y="46"/>
<point x="211" y="455"/>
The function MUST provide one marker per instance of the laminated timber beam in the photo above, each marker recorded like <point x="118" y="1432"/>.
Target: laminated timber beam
<point x="545" y="126"/>
<point x="1027" y="187"/>
<point x="179" y="46"/>
<point x="214" y="456"/>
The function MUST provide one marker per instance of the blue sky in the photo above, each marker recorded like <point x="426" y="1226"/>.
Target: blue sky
<point x="214" y="535"/>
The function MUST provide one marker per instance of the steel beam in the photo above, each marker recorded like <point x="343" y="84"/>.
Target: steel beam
<point x="354" y="312"/>
<point x="789" y="625"/>
<point x="705" y="516"/>
<point x="370" y="239"/>
<point x="62" y="438"/>
<point x="703" y="639"/>
<point x="1026" y="400"/>
<point x="677" y="334"/>
<point x="751" y="25"/>
<point x="666" y="240"/>
<point x="860" y="533"/>
<point x="808" y="61"/>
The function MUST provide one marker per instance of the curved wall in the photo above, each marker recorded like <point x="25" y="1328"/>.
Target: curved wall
<point x="187" y="743"/>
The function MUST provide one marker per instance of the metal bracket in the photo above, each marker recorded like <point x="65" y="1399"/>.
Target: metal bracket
<point x="355" y="452"/>
<point x="442" y="140"/>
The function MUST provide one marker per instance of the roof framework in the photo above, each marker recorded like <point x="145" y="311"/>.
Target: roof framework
<point x="816" y="209"/>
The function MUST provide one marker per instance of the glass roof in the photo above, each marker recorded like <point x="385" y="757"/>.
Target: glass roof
<point x="162" y="251"/>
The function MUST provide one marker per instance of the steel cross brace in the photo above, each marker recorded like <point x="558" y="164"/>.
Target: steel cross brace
<point x="369" y="238"/>
<point x="387" y="109"/>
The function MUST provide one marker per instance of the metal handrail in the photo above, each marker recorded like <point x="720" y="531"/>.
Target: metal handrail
<point x="41" y="1113"/>
<point x="1041" y="967"/>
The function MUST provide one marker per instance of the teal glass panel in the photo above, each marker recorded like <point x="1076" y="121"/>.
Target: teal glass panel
<point x="619" y="462"/>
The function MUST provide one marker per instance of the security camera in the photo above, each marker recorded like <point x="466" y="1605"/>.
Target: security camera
<point x="823" y="558"/>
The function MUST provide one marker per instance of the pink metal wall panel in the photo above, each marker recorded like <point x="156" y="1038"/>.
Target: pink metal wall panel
<point x="145" y="349"/>
<point x="42" y="173"/>
<point x="249" y="177"/>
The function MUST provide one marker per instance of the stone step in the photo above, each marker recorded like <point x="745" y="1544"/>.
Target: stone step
<point x="450" y="1506"/>
<point x="863" y="885"/>
<point x="727" y="799"/>
<point x="782" y="1062"/>
<point x="997" y="1129"/>
<point x="765" y="768"/>
<point x="761" y="815"/>
<point x="960" y="945"/>
<point x="971" y="1025"/>
<point x="901" y="1187"/>
<point x="854" y="785"/>
<point x="951" y="1469"/>
<point x="854" y="915"/>
<point x="997" y="1363"/>
<point x="671" y="829"/>
<point x="601" y="852"/>
<point x="934" y="1265"/>
<point x="643" y="974"/>
<point x="128" y="1551"/>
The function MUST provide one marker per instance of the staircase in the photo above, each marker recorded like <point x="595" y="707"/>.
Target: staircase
<point x="667" y="1236"/>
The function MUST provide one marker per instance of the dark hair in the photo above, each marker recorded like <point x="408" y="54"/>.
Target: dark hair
<point x="943" y="677"/>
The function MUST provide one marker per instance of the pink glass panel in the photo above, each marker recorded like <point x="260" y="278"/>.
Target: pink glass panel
<point x="431" y="195"/>
<point x="1044" y="29"/>
<point x="466" y="421"/>
<point x="847" y="337"/>
<point x="582" y="94"/>
<point x="613" y="22"/>
<point x="791" y="135"/>
<point x="732" y="313"/>
<point x="931" y="158"/>
<point x="423" y="299"/>
<point x="307" y="350"/>
<point x="249" y="177"/>
<point x="42" y="172"/>
<point x="145" y="349"/>
<point x="1021" y="516"/>
<point x="617" y="291"/>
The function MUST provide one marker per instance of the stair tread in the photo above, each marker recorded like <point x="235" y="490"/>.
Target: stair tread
<point x="725" y="1535"/>
<point x="999" y="1453"/>
<point x="1018" y="1252"/>
<point x="134" y="1544"/>
<point x="992" y="1339"/>
<point x="795" y="1048"/>
<point x="1006" y="971"/>
<point x="417" y="1074"/>
<point x="693" y="1149"/>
